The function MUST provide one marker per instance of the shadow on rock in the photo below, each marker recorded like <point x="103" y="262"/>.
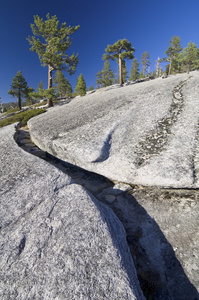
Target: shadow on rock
<point x="160" y="274"/>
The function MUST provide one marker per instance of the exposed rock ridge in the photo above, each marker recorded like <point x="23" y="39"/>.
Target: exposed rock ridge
<point x="140" y="128"/>
<point x="57" y="241"/>
<point x="160" y="274"/>
<point x="156" y="140"/>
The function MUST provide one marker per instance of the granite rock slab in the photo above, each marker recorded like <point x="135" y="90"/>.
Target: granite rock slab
<point x="145" y="133"/>
<point x="56" y="240"/>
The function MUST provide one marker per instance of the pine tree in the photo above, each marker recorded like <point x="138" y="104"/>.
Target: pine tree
<point x="106" y="77"/>
<point x="29" y="94"/>
<point x="81" y="86"/>
<point x="18" y="88"/>
<point x="172" y="53"/>
<point x="145" y="62"/>
<point x="51" y="42"/>
<point x="134" y="70"/>
<point x="191" y="57"/>
<point x="63" y="86"/>
<point x="119" y="51"/>
<point x="91" y="88"/>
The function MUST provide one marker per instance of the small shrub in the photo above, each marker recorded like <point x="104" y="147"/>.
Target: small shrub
<point x="22" y="117"/>
<point x="12" y="110"/>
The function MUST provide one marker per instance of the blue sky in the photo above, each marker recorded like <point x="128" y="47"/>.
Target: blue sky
<point x="148" y="25"/>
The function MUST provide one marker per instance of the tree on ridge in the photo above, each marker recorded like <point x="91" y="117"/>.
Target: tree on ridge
<point x="134" y="70"/>
<point x="120" y="50"/>
<point x="173" y="51"/>
<point x="51" y="42"/>
<point x="105" y="77"/>
<point x="80" y="88"/>
<point x="63" y="86"/>
<point x="18" y="88"/>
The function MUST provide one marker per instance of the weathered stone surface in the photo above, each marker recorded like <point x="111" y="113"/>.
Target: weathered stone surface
<point x="146" y="133"/>
<point x="57" y="241"/>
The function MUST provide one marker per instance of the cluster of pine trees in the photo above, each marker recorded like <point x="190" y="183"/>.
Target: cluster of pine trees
<point x="51" y="42"/>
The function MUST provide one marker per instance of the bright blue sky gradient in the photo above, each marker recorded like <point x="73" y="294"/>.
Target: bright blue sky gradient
<point x="148" y="25"/>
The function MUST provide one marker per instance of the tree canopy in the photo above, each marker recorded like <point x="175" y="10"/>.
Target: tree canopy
<point x="18" y="88"/>
<point x="190" y="57"/>
<point x="63" y="86"/>
<point x="172" y="52"/>
<point x="134" y="70"/>
<point x="120" y="50"/>
<point x="51" y="41"/>
<point x="81" y="86"/>
<point x="105" y="77"/>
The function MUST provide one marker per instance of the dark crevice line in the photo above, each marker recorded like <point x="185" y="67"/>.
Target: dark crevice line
<point x="157" y="139"/>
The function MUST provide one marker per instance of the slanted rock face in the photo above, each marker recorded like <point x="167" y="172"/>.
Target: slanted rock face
<point x="146" y="133"/>
<point x="57" y="241"/>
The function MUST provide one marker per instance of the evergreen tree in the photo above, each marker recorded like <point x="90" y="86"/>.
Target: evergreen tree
<point x="119" y="51"/>
<point x="40" y="94"/>
<point x="99" y="80"/>
<point x="191" y="57"/>
<point x="106" y="77"/>
<point x="91" y="88"/>
<point x="18" y="88"/>
<point x="145" y="62"/>
<point x="134" y="70"/>
<point x="172" y="53"/>
<point x="81" y="86"/>
<point x="63" y="86"/>
<point x="51" y="42"/>
<point x="29" y="94"/>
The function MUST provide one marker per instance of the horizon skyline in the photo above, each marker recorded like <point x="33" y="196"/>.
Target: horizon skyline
<point x="152" y="34"/>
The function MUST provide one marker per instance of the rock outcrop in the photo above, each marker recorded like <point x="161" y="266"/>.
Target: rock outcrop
<point x="57" y="241"/>
<point x="145" y="134"/>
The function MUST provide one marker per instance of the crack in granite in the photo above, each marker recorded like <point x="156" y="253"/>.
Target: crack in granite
<point x="157" y="139"/>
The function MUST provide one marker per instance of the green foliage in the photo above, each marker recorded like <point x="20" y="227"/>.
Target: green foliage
<point x="120" y="51"/>
<point x="81" y="86"/>
<point x="63" y="86"/>
<point x="121" y="48"/>
<point x="190" y="57"/>
<point x="50" y="93"/>
<point x="51" y="42"/>
<point x="39" y="95"/>
<point x="145" y="62"/>
<point x="91" y="88"/>
<point x="105" y="77"/>
<point x="134" y="70"/>
<point x="172" y="53"/>
<point x="22" y="117"/>
<point x="11" y="110"/>
<point x="29" y="94"/>
<point x="18" y="88"/>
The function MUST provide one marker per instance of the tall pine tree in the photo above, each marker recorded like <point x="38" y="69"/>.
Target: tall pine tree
<point x="105" y="77"/>
<point x="51" y="42"/>
<point x="172" y="53"/>
<point x="119" y="51"/>
<point x="191" y="57"/>
<point x="63" y="86"/>
<point x="80" y="88"/>
<point x="134" y="70"/>
<point x="18" y="88"/>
